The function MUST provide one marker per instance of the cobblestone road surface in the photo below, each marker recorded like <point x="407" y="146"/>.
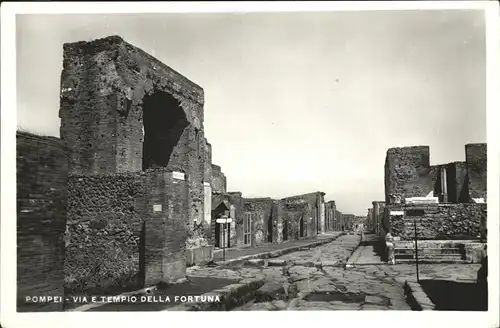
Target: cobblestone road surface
<point x="317" y="280"/>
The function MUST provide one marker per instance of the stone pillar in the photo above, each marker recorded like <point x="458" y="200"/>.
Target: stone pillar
<point x="322" y="218"/>
<point x="165" y="227"/>
<point x="444" y="185"/>
<point x="207" y="206"/>
<point x="232" y="227"/>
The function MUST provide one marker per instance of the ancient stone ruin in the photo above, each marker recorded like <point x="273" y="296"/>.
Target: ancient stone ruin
<point x="128" y="196"/>
<point x="447" y="203"/>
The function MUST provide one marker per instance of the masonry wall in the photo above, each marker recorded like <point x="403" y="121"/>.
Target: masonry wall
<point x="207" y="204"/>
<point x="104" y="87"/>
<point x="166" y="230"/>
<point x="42" y="173"/>
<point x="262" y="208"/>
<point x="457" y="184"/>
<point x="236" y="200"/>
<point x="408" y="173"/>
<point x="338" y="221"/>
<point x="348" y="221"/>
<point x="219" y="184"/>
<point x="440" y="222"/>
<point x="476" y="158"/>
<point x="314" y="212"/>
<point x="378" y="216"/>
<point x="370" y="220"/>
<point x="104" y="230"/>
<point x="291" y="215"/>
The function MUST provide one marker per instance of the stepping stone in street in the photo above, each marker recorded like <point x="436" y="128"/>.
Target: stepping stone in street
<point x="328" y="263"/>
<point x="270" y="291"/>
<point x="304" y="263"/>
<point x="256" y="262"/>
<point x="277" y="262"/>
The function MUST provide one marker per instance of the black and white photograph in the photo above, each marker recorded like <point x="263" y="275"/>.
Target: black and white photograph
<point x="176" y="157"/>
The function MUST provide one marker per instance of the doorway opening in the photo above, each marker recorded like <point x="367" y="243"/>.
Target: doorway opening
<point x="247" y="229"/>
<point x="285" y="230"/>
<point x="301" y="226"/>
<point x="270" y="229"/>
<point x="164" y="122"/>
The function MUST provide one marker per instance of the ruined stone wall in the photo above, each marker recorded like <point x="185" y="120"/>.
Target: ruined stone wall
<point x="330" y="209"/>
<point x="476" y="158"/>
<point x="106" y="87"/>
<point x="207" y="203"/>
<point x="378" y="216"/>
<point x="457" y="184"/>
<point x="262" y="209"/>
<point x="408" y="173"/>
<point x="219" y="184"/>
<point x="348" y="221"/>
<point x="338" y="221"/>
<point x="293" y="215"/>
<point x="104" y="229"/>
<point x="303" y="207"/>
<point x="236" y="200"/>
<point x="125" y="230"/>
<point x="370" y="220"/>
<point x="208" y="162"/>
<point x="166" y="232"/>
<point x="440" y="221"/>
<point x="42" y="173"/>
<point x="314" y="213"/>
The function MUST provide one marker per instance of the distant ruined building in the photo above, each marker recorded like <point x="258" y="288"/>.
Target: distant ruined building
<point x="447" y="203"/>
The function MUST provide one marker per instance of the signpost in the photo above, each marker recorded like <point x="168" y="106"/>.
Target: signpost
<point x="223" y="221"/>
<point x="415" y="213"/>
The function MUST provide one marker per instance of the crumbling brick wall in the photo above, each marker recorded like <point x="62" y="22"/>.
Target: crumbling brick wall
<point x="125" y="231"/>
<point x="262" y="208"/>
<point x="348" y="221"/>
<point x="313" y="216"/>
<point x="338" y="221"/>
<point x="378" y="216"/>
<point x="42" y="173"/>
<point x="294" y="214"/>
<point x="408" y="173"/>
<point x="103" y="236"/>
<point x="219" y="184"/>
<point x="166" y="231"/>
<point x="208" y="162"/>
<point x="457" y="182"/>
<point x="440" y="221"/>
<point x="330" y="209"/>
<point x="476" y="158"/>
<point x="110" y="91"/>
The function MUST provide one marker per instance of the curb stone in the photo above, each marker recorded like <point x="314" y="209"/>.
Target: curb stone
<point x="419" y="296"/>
<point x="140" y="292"/>
<point x="230" y="296"/>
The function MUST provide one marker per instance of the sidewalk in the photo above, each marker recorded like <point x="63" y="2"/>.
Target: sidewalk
<point x="235" y="253"/>
<point x="366" y="253"/>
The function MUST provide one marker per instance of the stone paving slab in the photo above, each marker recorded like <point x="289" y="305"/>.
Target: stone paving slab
<point x="235" y="253"/>
<point x="382" y="284"/>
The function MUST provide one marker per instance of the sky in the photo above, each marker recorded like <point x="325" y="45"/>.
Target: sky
<point x="294" y="102"/>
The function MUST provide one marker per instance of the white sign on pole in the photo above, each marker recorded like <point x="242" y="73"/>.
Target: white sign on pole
<point x="229" y="220"/>
<point x="397" y="213"/>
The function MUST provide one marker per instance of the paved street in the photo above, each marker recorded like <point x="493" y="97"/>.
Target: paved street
<point x="233" y="253"/>
<point x="317" y="280"/>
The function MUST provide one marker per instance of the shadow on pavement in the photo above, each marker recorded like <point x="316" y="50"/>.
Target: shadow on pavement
<point x="456" y="296"/>
<point x="193" y="287"/>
